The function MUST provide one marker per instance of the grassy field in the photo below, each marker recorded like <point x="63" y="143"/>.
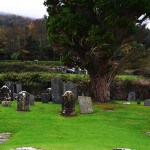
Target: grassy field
<point x="43" y="127"/>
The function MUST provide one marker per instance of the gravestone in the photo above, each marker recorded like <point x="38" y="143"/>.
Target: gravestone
<point x="11" y="87"/>
<point x="57" y="86"/>
<point x="18" y="88"/>
<point x="49" y="90"/>
<point x="45" y="97"/>
<point x="23" y="101"/>
<point x="68" y="104"/>
<point x="70" y="86"/>
<point x="5" y="96"/>
<point x="85" y="104"/>
<point x="126" y="102"/>
<point x="131" y="96"/>
<point x="4" y="137"/>
<point x="32" y="99"/>
<point x="147" y="102"/>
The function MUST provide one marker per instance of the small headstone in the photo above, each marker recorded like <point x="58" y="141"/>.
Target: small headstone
<point x="23" y="100"/>
<point x="49" y="90"/>
<point x="18" y="88"/>
<point x="11" y="87"/>
<point x="32" y="99"/>
<point x="27" y="148"/>
<point x="147" y="102"/>
<point x="68" y="104"/>
<point x="45" y="97"/>
<point x="70" y="86"/>
<point x="57" y="86"/>
<point x="5" y="96"/>
<point x="147" y="133"/>
<point x="85" y="104"/>
<point x="131" y="96"/>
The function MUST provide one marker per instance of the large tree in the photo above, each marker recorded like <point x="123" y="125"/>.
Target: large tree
<point x="103" y="36"/>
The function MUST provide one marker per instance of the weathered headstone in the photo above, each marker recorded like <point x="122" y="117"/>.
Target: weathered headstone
<point x="147" y="102"/>
<point x="45" y="97"/>
<point x="57" y="86"/>
<point x="4" y="137"/>
<point x="68" y="104"/>
<point x="32" y="99"/>
<point x="70" y="86"/>
<point x="18" y="88"/>
<point x="23" y="101"/>
<point x="85" y="104"/>
<point x="5" y="96"/>
<point x="11" y="87"/>
<point x="131" y="96"/>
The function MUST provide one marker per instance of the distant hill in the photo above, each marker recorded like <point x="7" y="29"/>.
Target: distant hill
<point x="7" y="19"/>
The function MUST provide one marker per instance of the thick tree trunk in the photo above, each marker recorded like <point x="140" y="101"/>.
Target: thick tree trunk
<point x="101" y="88"/>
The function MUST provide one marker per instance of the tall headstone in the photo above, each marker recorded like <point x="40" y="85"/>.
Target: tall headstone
<point x="85" y="104"/>
<point x="23" y="101"/>
<point x="147" y="102"/>
<point x="70" y="86"/>
<point x="131" y="96"/>
<point x="5" y="96"/>
<point x="18" y="88"/>
<point x="68" y="104"/>
<point x="57" y="86"/>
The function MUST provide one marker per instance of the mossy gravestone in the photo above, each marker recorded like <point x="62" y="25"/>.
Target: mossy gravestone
<point x="68" y="104"/>
<point x="23" y="101"/>
<point x="5" y="96"/>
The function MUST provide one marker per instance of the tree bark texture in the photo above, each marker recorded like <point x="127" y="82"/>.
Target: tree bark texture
<point x="101" y="88"/>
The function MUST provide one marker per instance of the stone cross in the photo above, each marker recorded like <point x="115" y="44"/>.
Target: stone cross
<point x="68" y="104"/>
<point x="23" y="101"/>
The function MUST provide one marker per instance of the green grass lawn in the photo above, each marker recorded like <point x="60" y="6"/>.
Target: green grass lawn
<point x="43" y="127"/>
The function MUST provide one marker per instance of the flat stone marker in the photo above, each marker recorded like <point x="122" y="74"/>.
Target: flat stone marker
<point x="27" y="148"/>
<point x="147" y="102"/>
<point x="126" y="103"/>
<point x="70" y="86"/>
<point x="4" y="137"/>
<point x="57" y="86"/>
<point x="85" y="104"/>
<point x="121" y="149"/>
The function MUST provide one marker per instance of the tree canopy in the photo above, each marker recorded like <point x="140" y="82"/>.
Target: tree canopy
<point x="102" y="36"/>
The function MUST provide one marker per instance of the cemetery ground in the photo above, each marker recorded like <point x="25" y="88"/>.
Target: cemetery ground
<point x="109" y="126"/>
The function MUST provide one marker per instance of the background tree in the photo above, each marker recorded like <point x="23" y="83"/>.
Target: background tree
<point x="99" y="35"/>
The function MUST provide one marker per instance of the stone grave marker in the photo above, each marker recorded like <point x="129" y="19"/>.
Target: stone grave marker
<point x="4" y="137"/>
<point x="147" y="102"/>
<point x="45" y="97"/>
<point x="85" y="104"/>
<point x="131" y="96"/>
<point x="68" y="104"/>
<point x="121" y="149"/>
<point x="5" y="96"/>
<point x="70" y="86"/>
<point x="18" y="88"/>
<point x="126" y="102"/>
<point x="23" y="101"/>
<point x="11" y="87"/>
<point x="57" y="86"/>
<point x="32" y="99"/>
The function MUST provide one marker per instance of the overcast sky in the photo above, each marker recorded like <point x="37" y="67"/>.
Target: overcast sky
<point x="29" y="8"/>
